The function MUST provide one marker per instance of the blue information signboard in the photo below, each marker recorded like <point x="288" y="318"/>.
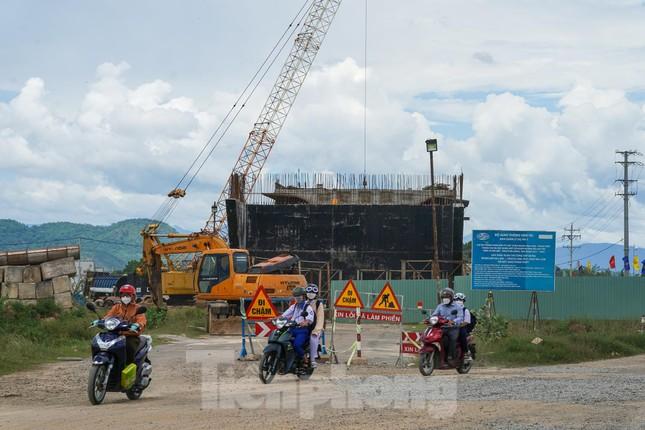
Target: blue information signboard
<point x="513" y="260"/>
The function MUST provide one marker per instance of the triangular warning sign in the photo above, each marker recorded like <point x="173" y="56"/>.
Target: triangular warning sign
<point x="261" y="307"/>
<point x="386" y="300"/>
<point x="349" y="297"/>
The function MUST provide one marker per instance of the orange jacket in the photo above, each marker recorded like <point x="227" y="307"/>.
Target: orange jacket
<point x="128" y="313"/>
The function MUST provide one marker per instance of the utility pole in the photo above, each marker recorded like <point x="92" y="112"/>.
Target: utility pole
<point x="571" y="235"/>
<point x="626" y="194"/>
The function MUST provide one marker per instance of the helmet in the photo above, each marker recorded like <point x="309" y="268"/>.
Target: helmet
<point x="127" y="289"/>
<point x="298" y="291"/>
<point x="447" y="292"/>
<point x="460" y="296"/>
<point x="312" y="291"/>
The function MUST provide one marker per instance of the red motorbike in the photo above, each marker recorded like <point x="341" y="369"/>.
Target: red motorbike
<point x="433" y="355"/>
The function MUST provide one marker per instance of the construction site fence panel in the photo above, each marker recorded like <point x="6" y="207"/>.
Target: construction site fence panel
<point x="599" y="298"/>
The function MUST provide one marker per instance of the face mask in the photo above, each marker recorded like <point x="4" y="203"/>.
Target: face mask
<point x="459" y="302"/>
<point x="445" y="301"/>
<point x="311" y="296"/>
<point x="299" y="299"/>
<point x="126" y="300"/>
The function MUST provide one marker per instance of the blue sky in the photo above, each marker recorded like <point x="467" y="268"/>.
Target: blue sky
<point x="103" y="105"/>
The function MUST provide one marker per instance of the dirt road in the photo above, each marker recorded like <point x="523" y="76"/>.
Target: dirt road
<point x="198" y="385"/>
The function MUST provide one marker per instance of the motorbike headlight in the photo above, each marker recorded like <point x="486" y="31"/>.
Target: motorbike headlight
<point x="280" y="322"/>
<point x="434" y="320"/>
<point x="111" y="323"/>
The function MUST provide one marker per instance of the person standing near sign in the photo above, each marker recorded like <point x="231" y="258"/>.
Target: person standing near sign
<point x="454" y="313"/>
<point x="317" y="325"/>
<point x="296" y="313"/>
<point x="467" y="326"/>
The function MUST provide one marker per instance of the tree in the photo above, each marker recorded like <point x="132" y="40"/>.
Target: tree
<point x="132" y="265"/>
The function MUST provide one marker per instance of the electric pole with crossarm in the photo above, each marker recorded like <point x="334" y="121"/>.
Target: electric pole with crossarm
<point x="627" y="193"/>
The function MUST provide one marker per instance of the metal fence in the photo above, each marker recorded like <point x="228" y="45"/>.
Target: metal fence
<point x="602" y="298"/>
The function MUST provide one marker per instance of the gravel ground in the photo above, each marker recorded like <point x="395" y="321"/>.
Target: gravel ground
<point x="198" y="384"/>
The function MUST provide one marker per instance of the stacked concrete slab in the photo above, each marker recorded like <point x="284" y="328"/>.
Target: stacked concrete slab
<point x="48" y="280"/>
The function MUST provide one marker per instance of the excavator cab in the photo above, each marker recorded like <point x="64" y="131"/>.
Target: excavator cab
<point x="217" y="270"/>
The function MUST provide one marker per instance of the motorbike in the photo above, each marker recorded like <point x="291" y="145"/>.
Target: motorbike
<point x="433" y="352"/>
<point x="280" y="357"/>
<point x="109" y="371"/>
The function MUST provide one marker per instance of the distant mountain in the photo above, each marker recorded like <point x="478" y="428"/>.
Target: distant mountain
<point x="111" y="247"/>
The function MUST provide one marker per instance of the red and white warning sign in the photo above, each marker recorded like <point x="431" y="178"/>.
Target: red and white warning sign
<point x="410" y="342"/>
<point x="261" y="307"/>
<point x="349" y="297"/>
<point x="262" y="329"/>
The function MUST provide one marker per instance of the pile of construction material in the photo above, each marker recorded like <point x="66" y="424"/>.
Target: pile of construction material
<point x="29" y="283"/>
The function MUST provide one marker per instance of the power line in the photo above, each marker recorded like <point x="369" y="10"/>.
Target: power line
<point x="601" y="198"/>
<point x="601" y="217"/>
<point x="595" y="253"/>
<point x="603" y="227"/>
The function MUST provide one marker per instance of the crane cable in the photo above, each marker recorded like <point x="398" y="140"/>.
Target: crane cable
<point x="257" y="84"/>
<point x="168" y="206"/>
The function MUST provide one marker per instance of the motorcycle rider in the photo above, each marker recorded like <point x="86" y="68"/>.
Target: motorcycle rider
<point x="127" y="310"/>
<point x="460" y="299"/>
<point x="300" y="333"/>
<point x="317" y="325"/>
<point x="454" y="313"/>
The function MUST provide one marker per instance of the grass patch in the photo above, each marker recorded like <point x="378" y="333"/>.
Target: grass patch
<point x="563" y="342"/>
<point x="31" y="335"/>
<point x="185" y="321"/>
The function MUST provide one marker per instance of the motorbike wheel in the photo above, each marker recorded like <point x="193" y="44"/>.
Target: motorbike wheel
<point x="267" y="363"/>
<point x="426" y="363"/>
<point x="134" y="393"/>
<point x="465" y="367"/>
<point x="95" y="389"/>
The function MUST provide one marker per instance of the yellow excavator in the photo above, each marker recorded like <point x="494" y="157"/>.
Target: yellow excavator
<point x="213" y="271"/>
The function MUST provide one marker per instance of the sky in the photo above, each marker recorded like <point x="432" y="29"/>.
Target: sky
<point x="104" y="105"/>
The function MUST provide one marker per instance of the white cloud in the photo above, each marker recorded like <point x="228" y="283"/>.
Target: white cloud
<point x="118" y="143"/>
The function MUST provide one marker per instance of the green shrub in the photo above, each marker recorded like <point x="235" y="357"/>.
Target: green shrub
<point x="156" y="317"/>
<point x="490" y="328"/>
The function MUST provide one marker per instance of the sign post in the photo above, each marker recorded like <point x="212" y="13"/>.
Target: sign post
<point x="350" y="298"/>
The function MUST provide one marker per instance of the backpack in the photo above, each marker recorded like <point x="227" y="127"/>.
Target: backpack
<point x="473" y="322"/>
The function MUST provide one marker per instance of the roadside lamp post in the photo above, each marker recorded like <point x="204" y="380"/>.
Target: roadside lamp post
<point x="431" y="147"/>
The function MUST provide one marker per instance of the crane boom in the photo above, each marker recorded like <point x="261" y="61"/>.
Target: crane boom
<point x="274" y="113"/>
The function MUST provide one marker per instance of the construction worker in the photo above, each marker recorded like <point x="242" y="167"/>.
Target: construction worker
<point x="318" y="323"/>
<point x="454" y="313"/>
<point x="126" y="310"/>
<point x="303" y="315"/>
